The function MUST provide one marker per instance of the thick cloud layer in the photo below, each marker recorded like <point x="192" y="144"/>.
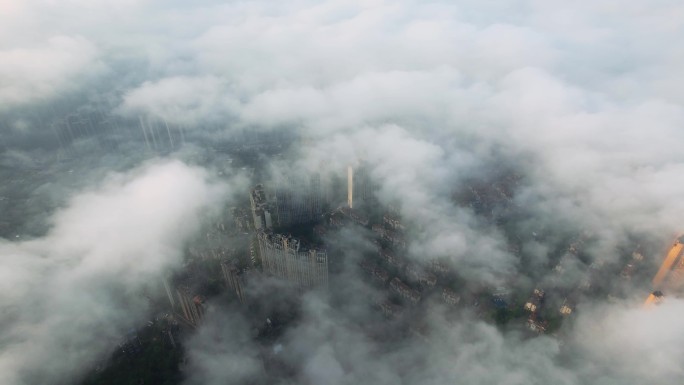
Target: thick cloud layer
<point x="34" y="74"/>
<point x="71" y="295"/>
<point x="581" y="102"/>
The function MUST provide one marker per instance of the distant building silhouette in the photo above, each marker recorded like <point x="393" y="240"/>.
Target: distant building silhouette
<point x="298" y="200"/>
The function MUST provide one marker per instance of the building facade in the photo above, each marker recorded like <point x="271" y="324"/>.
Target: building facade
<point x="261" y="212"/>
<point x="233" y="279"/>
<point x="191" y="306"/>
<point x="282" y="257"/>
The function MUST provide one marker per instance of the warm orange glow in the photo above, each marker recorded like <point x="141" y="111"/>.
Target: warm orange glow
<point x="666" y="266"/>
<point x="650" y="300"/>
<point x="672" y="257"/>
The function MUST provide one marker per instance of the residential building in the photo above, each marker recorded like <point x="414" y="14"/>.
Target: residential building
<point x="284" y="257"/>
<point x="233" y="279"/>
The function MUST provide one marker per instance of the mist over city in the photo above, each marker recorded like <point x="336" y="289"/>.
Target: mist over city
<point x="341" y="192"/>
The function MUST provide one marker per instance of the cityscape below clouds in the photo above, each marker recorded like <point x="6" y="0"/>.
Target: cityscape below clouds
<point x="341" y="192"/>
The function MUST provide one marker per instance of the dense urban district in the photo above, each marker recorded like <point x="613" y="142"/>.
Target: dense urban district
<point x="308" y="233"/>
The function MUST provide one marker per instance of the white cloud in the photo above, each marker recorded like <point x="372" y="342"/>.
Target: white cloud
<point x="29" y="75"/>
<point x="72" y="293"/>
<point x="588" y="97"/>
<point x="632" y="345"/>
<point x="182" y="100"/>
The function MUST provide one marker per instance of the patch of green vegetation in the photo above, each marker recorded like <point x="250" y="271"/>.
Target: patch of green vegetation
<point x="553" y="323"/>
<point x="503" y="316"/>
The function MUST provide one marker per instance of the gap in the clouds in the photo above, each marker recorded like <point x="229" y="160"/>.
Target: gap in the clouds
<point x="382" y="292"/>
<point x="360" y="303"/>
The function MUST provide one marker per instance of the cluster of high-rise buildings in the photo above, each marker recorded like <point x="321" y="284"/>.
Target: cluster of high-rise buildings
<point x="289" y="204"/>
<point x="298" y="200"/>
<point x="273" y="211"/>
<point x="185" y="302"/>
<point x="283" y="256"/>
